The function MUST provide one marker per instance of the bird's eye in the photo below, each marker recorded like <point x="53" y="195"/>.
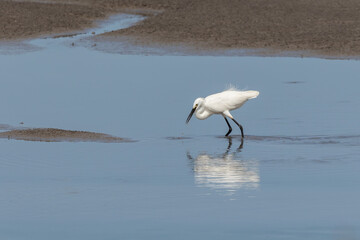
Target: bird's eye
<point x="196" y="105"/>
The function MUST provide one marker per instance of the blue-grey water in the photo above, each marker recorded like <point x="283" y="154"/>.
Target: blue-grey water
<point x="296" y="175"/>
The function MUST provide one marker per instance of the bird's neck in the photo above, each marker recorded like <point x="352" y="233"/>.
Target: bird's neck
<point x="202" y="113"/>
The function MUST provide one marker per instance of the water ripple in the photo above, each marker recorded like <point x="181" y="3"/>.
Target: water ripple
<point x="348" y="140"/>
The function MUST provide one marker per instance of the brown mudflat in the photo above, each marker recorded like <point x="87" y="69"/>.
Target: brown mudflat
<point x="31" y="19"/>
<point x="59" y="135"/>
<point x="330" y="27"/>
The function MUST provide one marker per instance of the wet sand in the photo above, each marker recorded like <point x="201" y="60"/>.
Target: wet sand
<point x="59" y="135"/>
<point x="329" y="27"/>
<point x="19" y="20"/>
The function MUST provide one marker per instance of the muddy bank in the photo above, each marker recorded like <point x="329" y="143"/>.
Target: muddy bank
<point x="325" y="27"/>
<point x="32" y="19"/>
<point x="329" y="27"/>
<point x="59" y="135"/>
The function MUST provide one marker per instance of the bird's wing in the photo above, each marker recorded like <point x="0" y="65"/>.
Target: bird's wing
<point x="228" y="100"/>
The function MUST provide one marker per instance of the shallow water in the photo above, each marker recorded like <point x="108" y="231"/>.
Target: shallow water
<point x="294" y="177"/>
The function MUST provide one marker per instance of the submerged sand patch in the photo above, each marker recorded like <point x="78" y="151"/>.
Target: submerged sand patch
<point x="60" y="135"/>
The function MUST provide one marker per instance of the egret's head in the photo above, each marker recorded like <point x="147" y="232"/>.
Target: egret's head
<point x="196" y="104"/>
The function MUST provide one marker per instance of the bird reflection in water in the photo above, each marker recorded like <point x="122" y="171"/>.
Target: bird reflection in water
<point x="225" y="171"/>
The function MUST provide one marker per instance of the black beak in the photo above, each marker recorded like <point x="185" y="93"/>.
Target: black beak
<point x="190" y="115"/>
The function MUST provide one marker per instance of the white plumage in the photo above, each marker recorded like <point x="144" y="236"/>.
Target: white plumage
<point x="221" y="103"/>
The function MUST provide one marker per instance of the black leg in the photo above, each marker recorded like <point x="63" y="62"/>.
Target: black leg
<point x="241" y="145"/>
<point x="241" y="128"/>
<point x="230" y="129"/>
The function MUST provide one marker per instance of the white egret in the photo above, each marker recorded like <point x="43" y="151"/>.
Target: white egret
<point x="222" y="103"/>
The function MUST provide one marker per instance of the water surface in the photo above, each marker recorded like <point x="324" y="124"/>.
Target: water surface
<point x="294" y="177"/>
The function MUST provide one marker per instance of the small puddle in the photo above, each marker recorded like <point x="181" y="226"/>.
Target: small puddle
<point x="113" y="23"/>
